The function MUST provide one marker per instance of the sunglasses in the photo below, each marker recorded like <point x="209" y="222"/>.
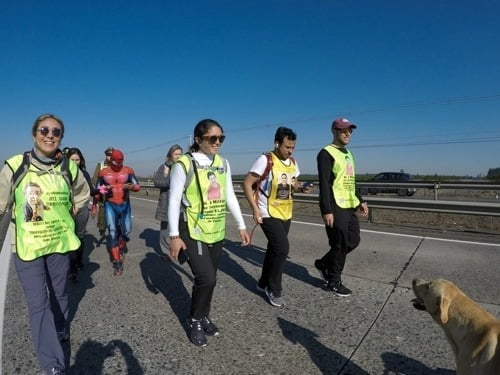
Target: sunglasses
<point x="214" y="138"/>
<point x="56" y="132"/>
<point x="345" y="131"/>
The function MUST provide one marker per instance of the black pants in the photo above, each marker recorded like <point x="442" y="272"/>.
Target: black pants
<point x="203" y="260"/>
<point x="276" y="232"/>
<point x="343" y="238"/>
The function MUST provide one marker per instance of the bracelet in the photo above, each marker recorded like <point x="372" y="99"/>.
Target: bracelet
<point x="174" y="237"/>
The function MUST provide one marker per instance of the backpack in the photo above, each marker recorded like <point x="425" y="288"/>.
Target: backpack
<point x="269" y="166"/>
<point x="23" y="169"/>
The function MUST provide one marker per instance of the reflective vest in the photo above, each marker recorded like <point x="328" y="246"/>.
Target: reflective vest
<point x="205" y="194"/>
<point x="344" y="185"/>
<point x="279" y="198"/>
<point x="42" y="211"/>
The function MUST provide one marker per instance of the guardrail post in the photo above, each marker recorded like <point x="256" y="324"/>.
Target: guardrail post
<point x="436" y="188"/>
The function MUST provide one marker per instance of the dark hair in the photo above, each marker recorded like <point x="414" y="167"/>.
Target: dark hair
<point x="200" y="130"/>
<point x="45" y="116"/>
<point x="172" y="149"/>
<point x="282" y="133"/>
<point x="77" y="151"/>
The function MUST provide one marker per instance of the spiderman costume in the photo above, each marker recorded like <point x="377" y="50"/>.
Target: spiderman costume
<point x="114" y="184"/>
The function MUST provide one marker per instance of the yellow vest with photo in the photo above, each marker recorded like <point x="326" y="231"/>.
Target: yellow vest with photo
<point x="205" y="193"/>
<point x="279" y="200"/>
<point x="344" y="185"/>
<point x="42" y="212"/>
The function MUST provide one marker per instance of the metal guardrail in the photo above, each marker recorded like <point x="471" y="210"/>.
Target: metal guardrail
<point x="444" y="206"/>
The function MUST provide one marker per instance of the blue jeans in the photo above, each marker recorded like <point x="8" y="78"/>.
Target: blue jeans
<point x="44" y="283"/>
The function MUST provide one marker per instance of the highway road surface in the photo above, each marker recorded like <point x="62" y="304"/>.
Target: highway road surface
<point x="136" y="324"/>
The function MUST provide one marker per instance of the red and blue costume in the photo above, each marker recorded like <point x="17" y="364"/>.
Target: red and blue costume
<point x="114" y="184"/>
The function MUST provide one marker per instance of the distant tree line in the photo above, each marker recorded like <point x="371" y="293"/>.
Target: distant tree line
<point x="493" y="174"/>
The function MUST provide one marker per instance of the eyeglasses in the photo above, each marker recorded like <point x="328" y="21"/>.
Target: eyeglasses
<point x="214" y="138"/>
<point x="56" y="132"/>
<point x="347" y="131"/>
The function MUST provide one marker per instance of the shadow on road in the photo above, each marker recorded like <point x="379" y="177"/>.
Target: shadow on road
<point x="399" y="364"/>
<point x="327" y="360"/>
<point x="91" y="356"/>
<point x="255" y="256"/>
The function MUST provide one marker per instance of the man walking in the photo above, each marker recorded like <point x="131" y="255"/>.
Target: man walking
<point x="339" y="202"/>
<point x="270" y="196"/>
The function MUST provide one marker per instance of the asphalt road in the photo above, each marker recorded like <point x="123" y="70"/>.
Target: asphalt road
<point x="135" y="324"/>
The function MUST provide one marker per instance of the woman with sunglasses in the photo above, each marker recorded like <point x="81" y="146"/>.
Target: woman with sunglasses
<point x="197" y="224"/>
<point x="81" y="217"/>
<point x="41" y="248"/>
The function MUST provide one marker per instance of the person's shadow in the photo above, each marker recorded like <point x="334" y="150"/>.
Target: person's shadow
<point x="91" y="356"/>
<point x="255" y="256"/>
<point x="77" y="290"/>
<point x="395" y="363"/>
<point x="162" y="275"/>
<point x="151" y="239"/>
<point x="327" y="360"/>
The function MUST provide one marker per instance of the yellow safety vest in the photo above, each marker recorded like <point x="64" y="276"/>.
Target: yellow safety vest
<point x="205" y="192"/>
<point x="42" y="211"/>
<point x="279" y="200"/>
<point x="344" y="185"/>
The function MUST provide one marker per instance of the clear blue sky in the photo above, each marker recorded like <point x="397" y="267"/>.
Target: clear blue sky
<point x="421" y="78"/>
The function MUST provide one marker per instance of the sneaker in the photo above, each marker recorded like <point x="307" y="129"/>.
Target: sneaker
<point x="63" y="336"/>
<point x="197" y="333"/>
<point x="209" y="328"/>
<point x="55" y="371"/>
<point x="323" y="272"/>
<point x="274" y="300"/>
<point x="117" y="268"/>
<point x="338" y="288"/>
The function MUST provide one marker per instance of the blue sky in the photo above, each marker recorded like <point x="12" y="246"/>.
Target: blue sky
<point x="420" y="79"/>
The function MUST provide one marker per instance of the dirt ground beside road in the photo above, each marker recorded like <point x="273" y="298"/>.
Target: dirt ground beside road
<point x="419" y="219"/>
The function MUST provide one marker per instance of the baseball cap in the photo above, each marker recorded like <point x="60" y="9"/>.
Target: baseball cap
<point x="342" y="123"/>
<point x="109" y="150"/>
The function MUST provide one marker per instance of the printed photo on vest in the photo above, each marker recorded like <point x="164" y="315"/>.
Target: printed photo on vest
<point x="214" y="191"/>
<point x="34" y="206"/>
<point x="283" y="191"/>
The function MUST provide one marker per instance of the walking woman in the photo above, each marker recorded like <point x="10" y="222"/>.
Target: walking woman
<point x="81" y="216"/>
<point x="42" y="245"/>
<point x="162" y="181"/>
<point x="197" y="222"/>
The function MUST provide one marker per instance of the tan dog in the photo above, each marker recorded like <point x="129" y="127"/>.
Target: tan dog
<point x="474" y="334"/>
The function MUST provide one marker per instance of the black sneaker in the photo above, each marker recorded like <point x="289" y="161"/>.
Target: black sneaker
<point x="209" y="328"/>
<point x="197" y="334"/>
<point x="338" y="288"/>
<point x="56" y="371"/>
<point x="323" y="272"/>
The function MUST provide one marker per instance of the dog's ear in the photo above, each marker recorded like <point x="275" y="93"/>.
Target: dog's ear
<point x="443" y="304"/>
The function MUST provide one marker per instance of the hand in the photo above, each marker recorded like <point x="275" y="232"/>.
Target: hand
<point x="245" y="237"/>
<point x="176" y="246"/>
<point x="93" y="211"/>
<point x="257" y="218"/>
<point x="363" y="209"/>
<point x="328" y="219"/>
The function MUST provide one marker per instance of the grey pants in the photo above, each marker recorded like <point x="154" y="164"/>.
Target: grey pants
<point x="164" y="237"/>
<point x="44" y="284"/>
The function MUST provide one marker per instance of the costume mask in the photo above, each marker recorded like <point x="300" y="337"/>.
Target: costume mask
<point x="116" y="161"/>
